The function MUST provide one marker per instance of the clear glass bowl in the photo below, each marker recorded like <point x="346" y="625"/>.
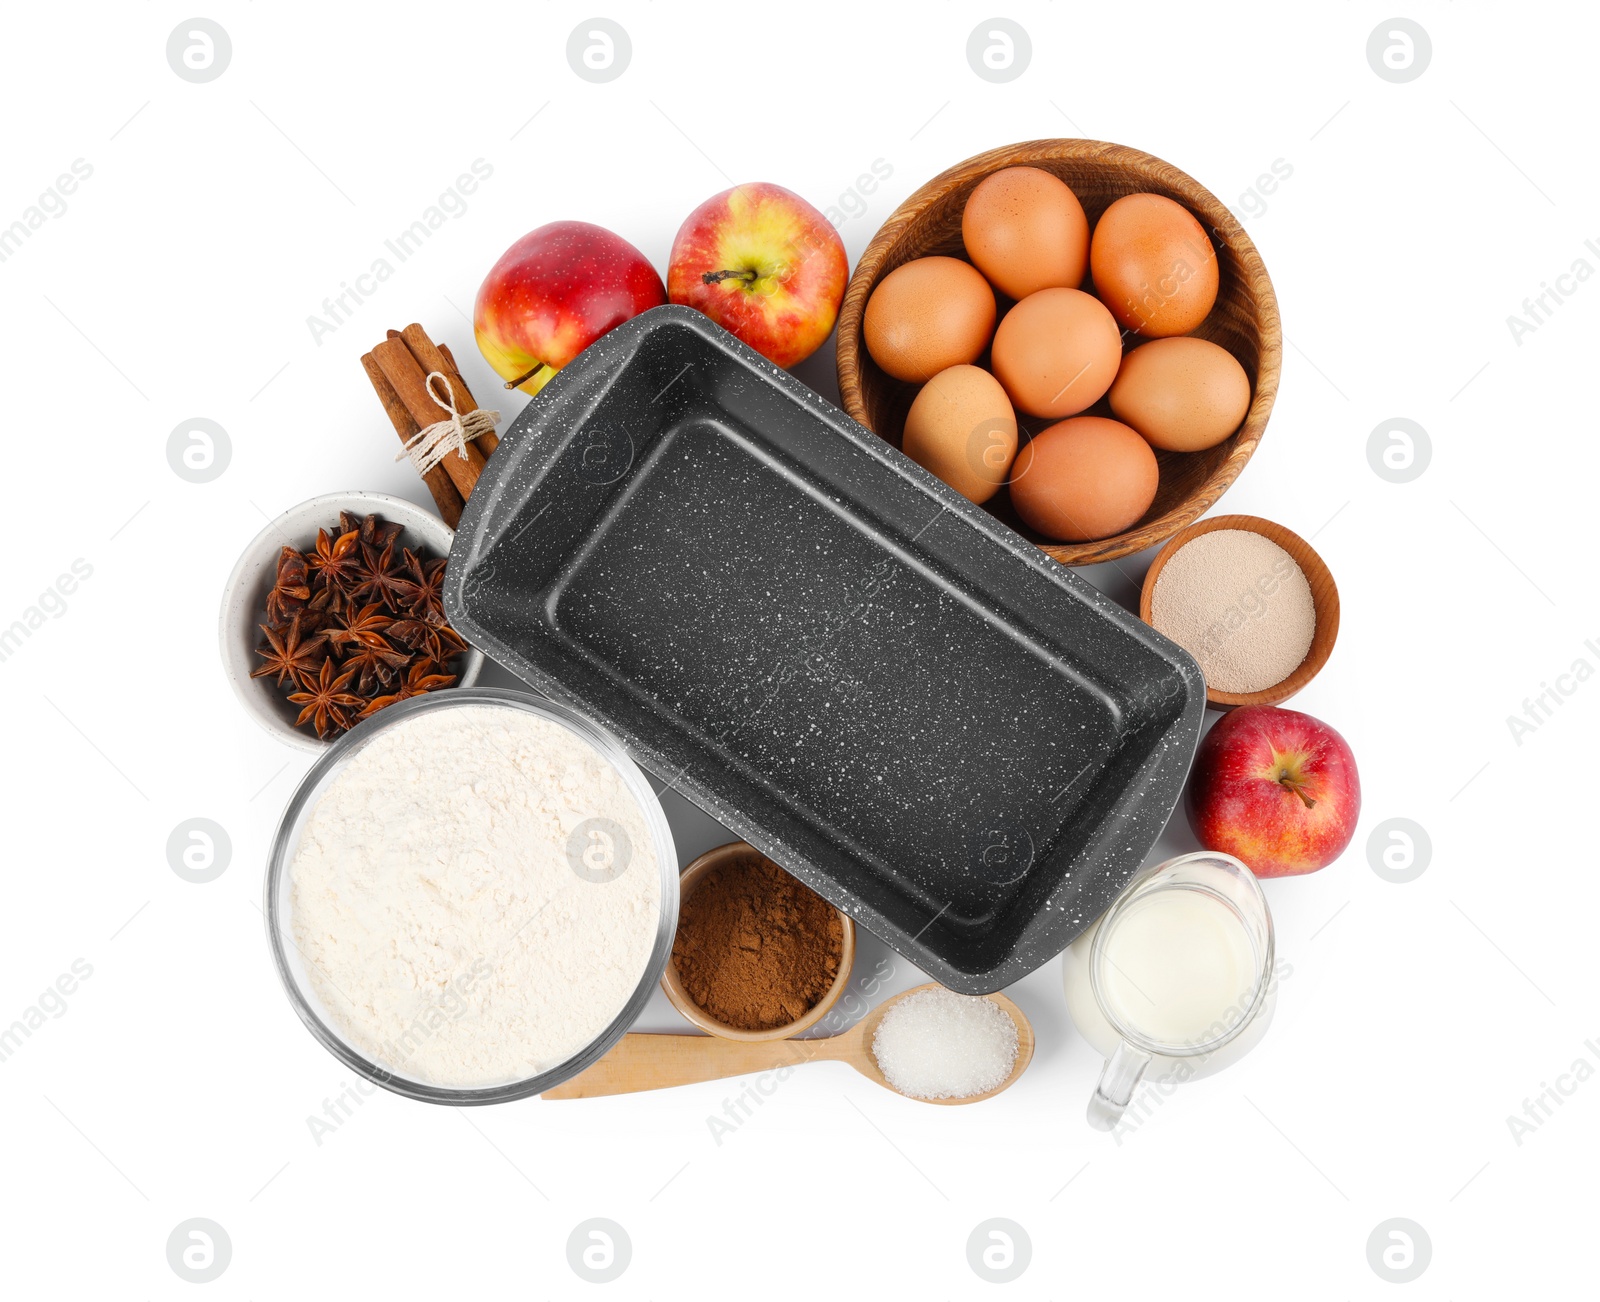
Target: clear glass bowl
<point x="286" y="955"/>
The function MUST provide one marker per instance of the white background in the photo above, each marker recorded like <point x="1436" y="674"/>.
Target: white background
<point x="177" y="283"/>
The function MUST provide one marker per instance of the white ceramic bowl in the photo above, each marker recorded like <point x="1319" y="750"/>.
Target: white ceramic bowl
<point x="244" y="599"/>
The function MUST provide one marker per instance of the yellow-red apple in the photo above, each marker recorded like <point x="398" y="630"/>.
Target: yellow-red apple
<point x="765" y="266"/>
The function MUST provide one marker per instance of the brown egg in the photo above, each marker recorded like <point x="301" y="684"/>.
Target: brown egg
<point x="961" y="427"/>
<point x="1025" y="230"/>
<point x="1181" y="394"/>
<point x="1084" y="479"/>
<point x="1056" y="352"/>
<point x="927" y="315"/>
<point x="1153" y="265"/>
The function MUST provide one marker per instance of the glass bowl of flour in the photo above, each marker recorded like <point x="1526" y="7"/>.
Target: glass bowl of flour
<point x="471" y="896"/>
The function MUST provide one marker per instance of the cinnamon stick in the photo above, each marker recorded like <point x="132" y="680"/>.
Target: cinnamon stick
<point x="444" y="351"/>
<point x="488" y="442"/>
<point x="454" y="371"/>
<point x="446" y="497"/>
<point x="410" y="383"/>
<point x="431" y="357"/>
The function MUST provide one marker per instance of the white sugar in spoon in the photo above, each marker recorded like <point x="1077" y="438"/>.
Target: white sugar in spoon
<point x="641" y="1061"/>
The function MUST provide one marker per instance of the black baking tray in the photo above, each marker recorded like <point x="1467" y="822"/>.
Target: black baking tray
<point x="903" y="702"/>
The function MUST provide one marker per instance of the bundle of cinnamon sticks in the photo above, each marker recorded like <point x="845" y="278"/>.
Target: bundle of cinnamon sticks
<point x="399" y="369"/>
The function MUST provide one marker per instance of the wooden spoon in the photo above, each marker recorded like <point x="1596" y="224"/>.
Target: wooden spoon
<point x="651" y="1062"/>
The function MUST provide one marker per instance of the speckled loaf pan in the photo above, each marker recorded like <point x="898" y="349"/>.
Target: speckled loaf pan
<point x="876" y="683"/>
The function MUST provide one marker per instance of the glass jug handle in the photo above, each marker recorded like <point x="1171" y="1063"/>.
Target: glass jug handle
<point x="1114" y="1091"/>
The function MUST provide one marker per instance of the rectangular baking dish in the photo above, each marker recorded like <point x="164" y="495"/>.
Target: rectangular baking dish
<point x="873" y="681"/>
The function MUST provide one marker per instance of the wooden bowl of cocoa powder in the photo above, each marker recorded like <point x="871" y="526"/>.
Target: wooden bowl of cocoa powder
<point x="758" y="955"/>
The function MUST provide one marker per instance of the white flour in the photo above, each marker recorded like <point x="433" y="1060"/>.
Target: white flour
<point x="444" y="927"/>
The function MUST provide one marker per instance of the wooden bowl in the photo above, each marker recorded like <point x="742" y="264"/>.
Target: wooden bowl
<point x="1324" y="600"/>
<point x="1244" y="320"/>
<point x="735" y="852"/>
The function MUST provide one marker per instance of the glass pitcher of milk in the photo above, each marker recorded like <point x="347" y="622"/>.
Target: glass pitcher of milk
<point x="1177" y="972"/>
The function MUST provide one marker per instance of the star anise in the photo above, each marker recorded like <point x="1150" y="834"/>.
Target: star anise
<point x="290" y="653"/>
<point x="326" y="701"/>
<point x="323" y="606"/>
<point x="383" y="576"/>
<point x="423" y="591"/>
<point x="290" y="589"/>
<point x="376" y="665"/>
<point x="336" y="561"/>
<point x="378" y="532"/>
<point x="422" y="678"/>
<point x="352" y="627"/>
<point x="435" y="641"/>
<point x="363" y="626"/>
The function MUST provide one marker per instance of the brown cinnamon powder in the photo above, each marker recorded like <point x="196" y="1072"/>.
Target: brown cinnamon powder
<point x="756" y="949"/>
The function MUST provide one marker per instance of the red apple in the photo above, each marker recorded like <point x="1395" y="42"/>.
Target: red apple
<point x="765" y="266"/>
<point x="553" y="293"/>
<point x="1275" y="788"/>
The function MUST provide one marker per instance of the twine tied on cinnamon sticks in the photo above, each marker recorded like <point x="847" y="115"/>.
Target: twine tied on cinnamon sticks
<point x="429" y="446"/>
<point x="399" y="369"/>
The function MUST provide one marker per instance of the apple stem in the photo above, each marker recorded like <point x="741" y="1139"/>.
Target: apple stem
<point x="1299" y="788"/>
<point x="525" y="376"/>
<point x="714" y="277"/>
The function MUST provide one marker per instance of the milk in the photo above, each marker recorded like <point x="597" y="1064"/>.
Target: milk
<point x="1180" y="967"/>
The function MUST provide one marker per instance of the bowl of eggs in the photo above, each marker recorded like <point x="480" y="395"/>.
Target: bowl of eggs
<point x="1073" y="334"/>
